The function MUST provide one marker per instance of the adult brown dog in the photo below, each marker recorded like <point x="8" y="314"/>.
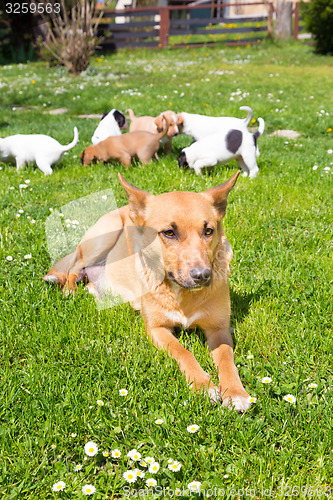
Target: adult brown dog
<point x="193" y="290"/>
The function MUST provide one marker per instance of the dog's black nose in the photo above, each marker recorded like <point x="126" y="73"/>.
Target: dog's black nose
<point x="201" y="275"/>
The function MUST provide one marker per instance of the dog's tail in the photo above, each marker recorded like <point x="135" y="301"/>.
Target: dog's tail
<point x="131" y="113"/>
<point x="259" y="132"/>
<point x="249" y="114"/>
<point x="74" y="141"/>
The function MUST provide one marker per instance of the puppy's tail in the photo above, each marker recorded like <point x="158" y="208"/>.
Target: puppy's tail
<point x="259" y="132"/>
<point x="131" y="114"/>
<point x="249" y="114"/>
<point x="74" y="141"/>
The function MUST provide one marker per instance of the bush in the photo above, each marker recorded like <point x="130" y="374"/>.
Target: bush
<point x="318" y="18"/>
<point x="72" y="39"/>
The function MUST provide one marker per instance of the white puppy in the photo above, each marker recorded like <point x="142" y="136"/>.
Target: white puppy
<point x="200" y="126"/>
<point x="231" y="141"/>
<point x="110" y="124"/>
<point x="34" y="148"/>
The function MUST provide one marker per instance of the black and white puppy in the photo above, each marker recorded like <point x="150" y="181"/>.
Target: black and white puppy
<point x="110" y="124"/>
<point x="34" y="148"/>
<point x="200" y="126"/>
<point x="233" y="140"/>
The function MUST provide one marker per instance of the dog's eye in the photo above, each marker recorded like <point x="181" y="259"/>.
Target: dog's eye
<point x="169" y="233"/>
<point x="209" y="231"/>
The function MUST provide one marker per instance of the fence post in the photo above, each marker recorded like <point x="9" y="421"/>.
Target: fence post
<point x="164" y="27"/>
<point x="284" y="12"/>
<point x="270" y="20"/>
<point x="296" y="21"/>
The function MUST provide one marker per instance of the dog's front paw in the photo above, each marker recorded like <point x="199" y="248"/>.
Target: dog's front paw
<point x="239" y="402"/>
<point x="214" y="395"/>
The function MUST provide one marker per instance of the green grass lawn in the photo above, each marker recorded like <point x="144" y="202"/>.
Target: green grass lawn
<point x="59" y="356"/>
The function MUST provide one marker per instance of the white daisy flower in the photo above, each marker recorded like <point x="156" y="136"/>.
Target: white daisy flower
<point x="23" y="186"/>
<point x="18" y="216"/>
<point x="88" y="489"/>
<point x="149" y="460"/>
<point x="154" y="467"/>
<point x="73" y="434"/>
<point x="59" y="486"/>
<point x="192" y="428"/>
<point x="78" y="467"/>
<point x="90" y="449"/>
<point x="21" y="211"/>
<point x="130" y="476"/>
<point x="252" y="399"/>
<point x="53" y="446"/>
<point x="178" y="492"/>
<point x="28" y="256"/>
<point x="175" y="466"/>
<point x="290" y="398"/>
<point x="143" y="463"/>
<point x="9" y="258"/>
<point x="105" y="454"/>
<point x="314" y="167"/>
<point x="27" y="181"/>
<point x="140" y="473"/>
<point x="266" y="380"/>
<point x="330" y="151"/>
<point x="194" y="487"/>
<point x="100" y="402"/>
<point x="312" y="385"/>
<point x="11" y="187"/>
<point x="134" y="455"/>
<point x="249" y="356"/>
<point x="51" y="210"/>
<point x="151" y="482"/>
<point x="116" y="453"/>
<point x="123" y="392"/>
<point x="32" y="221"/>
<point x="159" y="421"/>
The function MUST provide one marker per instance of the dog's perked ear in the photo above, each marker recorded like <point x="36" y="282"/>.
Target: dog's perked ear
<point x="137" y="200"/>
<point x="218" y="195"/>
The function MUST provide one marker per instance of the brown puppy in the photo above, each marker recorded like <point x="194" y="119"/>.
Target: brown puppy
<point x="140" y="144"/>
<point x="151" y="124"/>
<point x="194" y="256"/>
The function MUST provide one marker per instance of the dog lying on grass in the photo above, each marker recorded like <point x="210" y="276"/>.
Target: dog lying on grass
<point x="141" y="145"/>
<point x="35" y="148"/>
<point x="194" y="256"/>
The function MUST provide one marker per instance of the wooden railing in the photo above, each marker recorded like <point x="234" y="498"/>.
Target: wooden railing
<point x="179" y="25"/>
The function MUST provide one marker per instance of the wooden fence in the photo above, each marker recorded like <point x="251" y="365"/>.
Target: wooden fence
<point x="180" y="25"/>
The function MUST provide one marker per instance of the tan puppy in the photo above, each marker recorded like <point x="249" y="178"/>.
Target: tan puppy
<point x="151" y="124"/>
<point x="193" y="289"/>
<point x="123" y="148"/>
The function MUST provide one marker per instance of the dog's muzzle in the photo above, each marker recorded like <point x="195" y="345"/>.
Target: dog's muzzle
<point x="201" y="275"/>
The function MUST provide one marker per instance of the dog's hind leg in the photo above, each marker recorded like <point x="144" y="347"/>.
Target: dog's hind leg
<point x="19" y="163"/>
<point x="248" y="162"/>
<point x="44" y="166"/>
<point x="163" y="338"/>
